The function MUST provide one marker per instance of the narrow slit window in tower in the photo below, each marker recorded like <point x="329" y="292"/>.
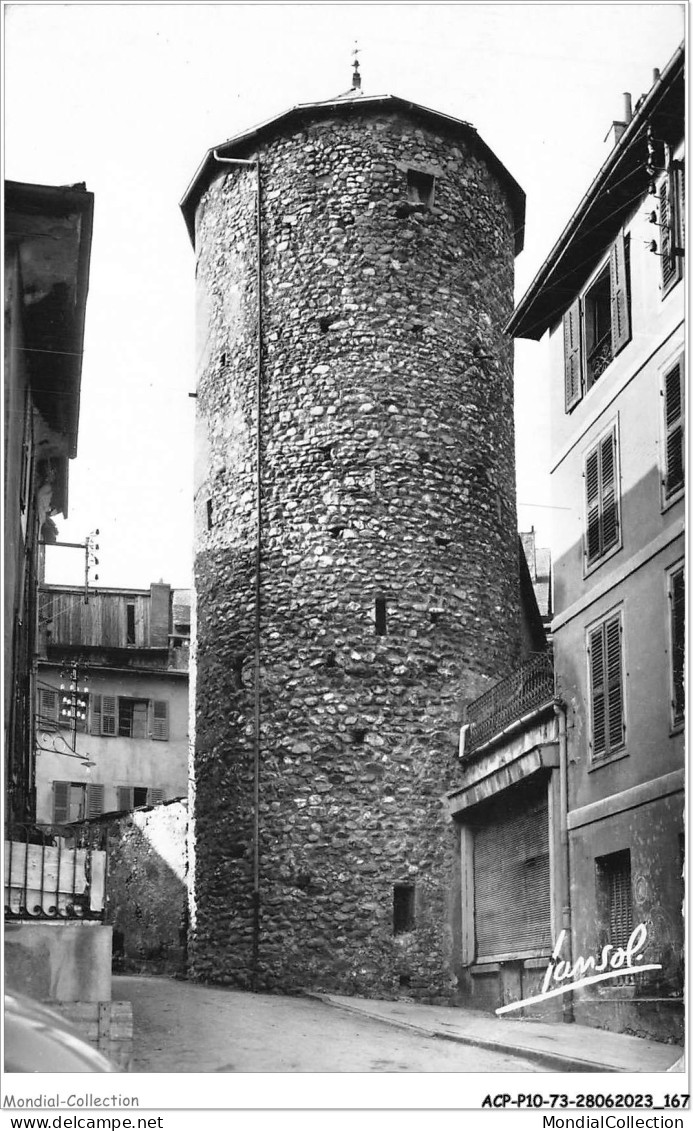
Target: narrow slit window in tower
<point x="380" y="616"/>
<point x="210" y="514"/>
<point x="403" y="918"/>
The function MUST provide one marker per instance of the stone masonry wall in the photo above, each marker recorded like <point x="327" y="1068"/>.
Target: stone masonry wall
<point x="147" y="888"/>
<point x="388" y="473"/>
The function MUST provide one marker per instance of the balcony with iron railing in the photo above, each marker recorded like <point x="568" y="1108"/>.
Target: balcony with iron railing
<point x="524" y="691"/>
<point x="54" y="873"/>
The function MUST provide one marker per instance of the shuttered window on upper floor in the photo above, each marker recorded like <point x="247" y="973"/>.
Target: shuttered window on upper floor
<point x="672" y="224"/>
<point x="602" y="504"/>
<point x="126" y="717"/>
<point x="597" y="325"/>
<point x="605" y="656"/>
<point x="673" y="394"/>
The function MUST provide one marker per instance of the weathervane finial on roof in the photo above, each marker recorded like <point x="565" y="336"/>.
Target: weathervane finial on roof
<point x="356" y="77"/>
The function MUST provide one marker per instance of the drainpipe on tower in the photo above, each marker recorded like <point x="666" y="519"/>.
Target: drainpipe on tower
<point x="255" y="164"/>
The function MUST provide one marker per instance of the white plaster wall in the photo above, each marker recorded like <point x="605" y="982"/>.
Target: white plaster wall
<point x="121" y="761"/>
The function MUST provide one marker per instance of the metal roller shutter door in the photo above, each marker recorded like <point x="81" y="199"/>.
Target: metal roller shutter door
<point x="511" y="881"/>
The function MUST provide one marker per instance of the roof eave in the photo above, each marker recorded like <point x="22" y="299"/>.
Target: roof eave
<point x="524" y="322"/>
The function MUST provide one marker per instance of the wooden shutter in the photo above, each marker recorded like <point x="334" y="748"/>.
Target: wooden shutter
<point x="598" y="691"/>
<point x="620" y="312"/>
<point x="94" y="799"/>
<point x="665" y="233"/>
<point x="609" y="493"/>
<point x="109" y="721"/>
<point x="614" y="680"/>
<point x="61" y="802"/>
<point x="679" y="179"/>
<point x="673" y="416"/>
<point x="592" y="504"/>
<point x="48" y="709"/>
<point x="95" y="702"/>
<point x="154" y="795"/>
<point x="512" y="892"/>
<point x="124" y="797"/>
<point x="572" y="342"/>
<point x="606" y="687"/>
<point x="677" y="597"/>
<point x="160" y="719"/>
<point x="620" y="897"/>
<point x="602" y="501"/>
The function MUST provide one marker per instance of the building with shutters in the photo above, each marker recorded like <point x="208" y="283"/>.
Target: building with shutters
<point x="112" y="700"/>
<point x="609" y="305"/>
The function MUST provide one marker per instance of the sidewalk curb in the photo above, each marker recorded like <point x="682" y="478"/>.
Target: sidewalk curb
<point x="556" y="1061"/>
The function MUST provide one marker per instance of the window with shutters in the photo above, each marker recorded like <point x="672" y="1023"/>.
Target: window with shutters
<point x="677" y="632"/>
<point x="602" y="502"/>
<point x="673" y="431"/>
<point x="76" y="801"/>
<point x="132" y="796"/>
<point x="607" y="705"/>
<point x="597" y="325"/>
<point x="672" y="224"/>
<point x="615" y="898"/>
<point x="126" y="717"/>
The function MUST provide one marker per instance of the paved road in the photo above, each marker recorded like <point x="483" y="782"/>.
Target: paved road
<point x="184" y="1027"/>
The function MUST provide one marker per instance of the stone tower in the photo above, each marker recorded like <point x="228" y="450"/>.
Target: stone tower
<point x="355" y="535"/>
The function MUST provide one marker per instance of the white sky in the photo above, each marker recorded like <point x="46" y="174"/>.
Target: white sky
<point x="128" y="98"/>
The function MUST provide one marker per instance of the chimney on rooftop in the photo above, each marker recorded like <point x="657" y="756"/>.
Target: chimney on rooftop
<point x="618" y="128"/>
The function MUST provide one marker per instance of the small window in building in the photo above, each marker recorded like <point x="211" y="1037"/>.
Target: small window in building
<point x="673" y="395"/>
<point x="420" y="188"/>
<point x="403" y="908"/>
<point x="130" y="611"/>
<point x="615" y="897"/>
<point x="210" y="514"/>
<point x="677" y="614"/>
<point x="380" y="616"/>
<point x="605" y="652"/>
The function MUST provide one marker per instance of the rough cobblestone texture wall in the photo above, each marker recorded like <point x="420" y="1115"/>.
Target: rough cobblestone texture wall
<point x="387" y="473"/>
<point x="147" y="891"/>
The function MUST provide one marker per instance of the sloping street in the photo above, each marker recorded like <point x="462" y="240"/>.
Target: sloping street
<point x="184" y="1027"/>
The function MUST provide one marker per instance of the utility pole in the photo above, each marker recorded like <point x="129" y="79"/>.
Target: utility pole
<point x="90" y="559"/>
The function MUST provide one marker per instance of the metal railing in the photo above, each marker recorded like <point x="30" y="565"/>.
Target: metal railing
<point x="600" y="357"/>
<point x="54" y="872"/>
<point x="529" y="686"/>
